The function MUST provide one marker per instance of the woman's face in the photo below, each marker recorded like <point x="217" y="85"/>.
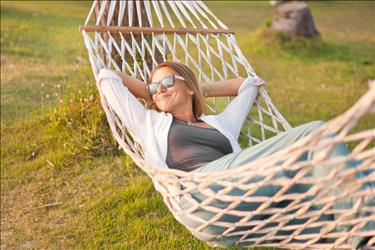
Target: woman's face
<point x="175" y="98"/>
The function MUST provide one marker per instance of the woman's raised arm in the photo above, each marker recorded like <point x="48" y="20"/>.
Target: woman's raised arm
<point x="235" y="113"/>
<point x="222" y="88"/>
<point x="135" y="86"/>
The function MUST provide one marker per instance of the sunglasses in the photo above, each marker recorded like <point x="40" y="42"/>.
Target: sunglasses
<point x="166" y="82"/>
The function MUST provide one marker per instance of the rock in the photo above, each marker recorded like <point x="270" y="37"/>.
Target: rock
<point x="294" y="18"/>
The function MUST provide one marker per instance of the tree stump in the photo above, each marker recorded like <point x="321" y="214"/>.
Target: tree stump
<point x="294" y="18"/>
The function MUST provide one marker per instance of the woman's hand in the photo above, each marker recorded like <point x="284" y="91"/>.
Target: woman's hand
<point x="135" y="86"/>
<point x="222" y="88"/>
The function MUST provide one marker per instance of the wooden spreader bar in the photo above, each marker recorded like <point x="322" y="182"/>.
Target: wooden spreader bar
<point x="149" y="30"/>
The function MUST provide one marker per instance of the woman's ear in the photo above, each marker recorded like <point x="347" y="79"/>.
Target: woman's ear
<point x="191" y="92"/>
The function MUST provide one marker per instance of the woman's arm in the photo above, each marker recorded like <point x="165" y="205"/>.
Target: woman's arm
<point x="125" y="104"/>
<point x="222" y="88"/>
<point x="234" y="115"/>
<point x="135" y="86"/>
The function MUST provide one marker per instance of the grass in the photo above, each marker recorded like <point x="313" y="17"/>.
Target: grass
<point x="65" y="185"/>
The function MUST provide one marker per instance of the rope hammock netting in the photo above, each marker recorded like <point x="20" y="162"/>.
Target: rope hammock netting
<point x="134" y="37"/>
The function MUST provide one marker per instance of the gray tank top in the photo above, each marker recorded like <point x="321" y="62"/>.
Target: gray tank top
<point x="191" y="147"/>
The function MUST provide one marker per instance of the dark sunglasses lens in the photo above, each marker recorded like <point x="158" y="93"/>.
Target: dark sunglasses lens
<point x="153" y="88"/>
<point x="167" y="82"/>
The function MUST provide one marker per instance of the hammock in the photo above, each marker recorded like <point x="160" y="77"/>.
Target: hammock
<point x="133" y="37"/>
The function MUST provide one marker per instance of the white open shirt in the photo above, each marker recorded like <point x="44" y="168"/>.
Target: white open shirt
<point x="150" y="128"/>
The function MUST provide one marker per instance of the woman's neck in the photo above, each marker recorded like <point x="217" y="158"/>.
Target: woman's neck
<point x="186" y="116"/>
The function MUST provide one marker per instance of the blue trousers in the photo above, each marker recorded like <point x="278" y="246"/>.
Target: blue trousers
<point x="253" y="153"/>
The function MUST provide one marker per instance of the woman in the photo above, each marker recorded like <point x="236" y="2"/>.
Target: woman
<point x="174" y="132"/>
<point x="177" y="108"/>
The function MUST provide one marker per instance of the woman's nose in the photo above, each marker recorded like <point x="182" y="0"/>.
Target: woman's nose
<point x="160" y="88"/>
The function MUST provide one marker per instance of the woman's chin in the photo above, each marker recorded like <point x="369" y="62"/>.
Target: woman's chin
<point x="165" y="109"/>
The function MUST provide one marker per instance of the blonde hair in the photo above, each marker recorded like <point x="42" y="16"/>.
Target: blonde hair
<point x="191" y="81"/>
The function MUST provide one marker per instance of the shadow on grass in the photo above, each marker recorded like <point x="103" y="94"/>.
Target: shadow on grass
<point x="309" y="49"/>
<point x="52" y="19"/>
<point x="37" y="34"/>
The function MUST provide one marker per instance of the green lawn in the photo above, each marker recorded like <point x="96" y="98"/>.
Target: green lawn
<point x="65" y="185"/>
